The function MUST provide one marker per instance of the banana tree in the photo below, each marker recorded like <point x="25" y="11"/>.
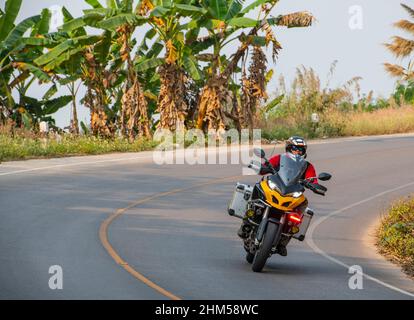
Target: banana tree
<point x="67" y="60"/>
<point x="223" y="19"/>
<point x="178" y="68"/>
<point x="101" y="60"/>
<point x="109" y="70"/>
<point x="18" y="72"/>
<point x="9" y="50"/>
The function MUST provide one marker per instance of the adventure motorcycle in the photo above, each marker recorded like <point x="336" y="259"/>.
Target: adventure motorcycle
<point x="275" y="209"/>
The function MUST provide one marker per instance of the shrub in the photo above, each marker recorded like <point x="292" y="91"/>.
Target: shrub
<point x="396" y="234"/>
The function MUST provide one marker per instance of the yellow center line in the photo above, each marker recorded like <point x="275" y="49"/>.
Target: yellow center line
<point x="103" y="234"/>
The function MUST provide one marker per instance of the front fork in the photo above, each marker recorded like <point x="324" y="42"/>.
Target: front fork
<point x="263" y="226"/>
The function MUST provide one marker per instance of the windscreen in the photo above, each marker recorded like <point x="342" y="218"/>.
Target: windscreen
<point x="291" y="169"/>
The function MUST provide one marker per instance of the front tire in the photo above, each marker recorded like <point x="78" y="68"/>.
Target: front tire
<point x="263" y="253"/>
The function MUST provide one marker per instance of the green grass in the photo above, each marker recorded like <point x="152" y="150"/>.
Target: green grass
<point x="26" y="145"/>
<point x="396" y="234"/>
<point x="19" y="148"/>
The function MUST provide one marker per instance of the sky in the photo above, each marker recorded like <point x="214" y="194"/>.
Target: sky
<point x="349" y="31"/>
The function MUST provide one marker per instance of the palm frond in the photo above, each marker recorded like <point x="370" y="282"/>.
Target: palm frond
<point x="394" y="70"/>
<point x="408" y="9"/>
<point x="400" y="47"/>
<point x="405" y="25"/>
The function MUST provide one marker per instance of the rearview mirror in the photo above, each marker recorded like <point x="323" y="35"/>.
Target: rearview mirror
<point x="259" y="153"/>
<point x="324" y="176"/>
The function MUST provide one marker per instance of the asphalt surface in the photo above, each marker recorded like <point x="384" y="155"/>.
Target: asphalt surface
<point x="184" y="241"/>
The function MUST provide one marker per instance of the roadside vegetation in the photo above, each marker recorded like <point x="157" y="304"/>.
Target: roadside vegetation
<point x="341" y="111"/>
<point x="178" y="73"/>
<point x="26" y="145"/>
<point x="179" y="70"/>
<point x="395" y="236"/>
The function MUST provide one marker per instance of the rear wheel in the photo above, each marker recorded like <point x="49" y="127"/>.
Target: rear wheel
<point x="263" y="253"/>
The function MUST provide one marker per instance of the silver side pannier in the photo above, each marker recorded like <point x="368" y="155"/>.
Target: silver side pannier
<point x="238" y="205"/>
<point x="303" y="228"/>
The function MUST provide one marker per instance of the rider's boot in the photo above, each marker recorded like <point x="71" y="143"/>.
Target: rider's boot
<point x="281" y="248"/>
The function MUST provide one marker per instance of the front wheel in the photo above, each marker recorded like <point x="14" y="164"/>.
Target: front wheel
<point x="263" y="253"/>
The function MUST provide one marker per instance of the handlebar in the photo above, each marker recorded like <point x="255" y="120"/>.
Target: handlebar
<point x="265" y="165"/>
<point x="316" y="188"/>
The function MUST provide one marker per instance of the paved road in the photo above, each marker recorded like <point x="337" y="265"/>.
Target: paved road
<point x="51" y="212"/>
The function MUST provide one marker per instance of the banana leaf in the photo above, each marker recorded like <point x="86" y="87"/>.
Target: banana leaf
<point x="50" y="92"/>
<point x="55" y="63"/>
<point x="17" y="32"/>
<point x="7" y="21"/>
<point x="94" y="3"/>
<point x="160" y="12"/>
<point x="111" y="4"/>
<point x="73" y="25"/>
<point x="149" y="64"/>
<point x="155" y="50"/>
<point x="243" y="22"/>
<point x="103" y="47"/>
<point x="42" y="26"/>
<point x="52" y="106"/>
<point x="42" y="42"/>
<point x="218" y="9"/>
<point x="37" y="72"/>
<point x="234" y="9"/>
<point x="254" y="5"/>
<point x="190" y="10"/>
<point x="272" y="104"/>
<point x="114" y="22"/>
<point x="191" y="66"/>
<point x="65" y="46"/>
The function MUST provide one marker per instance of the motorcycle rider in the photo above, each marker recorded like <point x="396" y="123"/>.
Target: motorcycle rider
<point x="297" y="146"/>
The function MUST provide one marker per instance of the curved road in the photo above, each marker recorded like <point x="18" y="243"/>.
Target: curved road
<point x="111" y="220"/>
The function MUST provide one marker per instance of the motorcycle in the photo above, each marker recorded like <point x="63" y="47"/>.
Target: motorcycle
<point x="275" y="209"/>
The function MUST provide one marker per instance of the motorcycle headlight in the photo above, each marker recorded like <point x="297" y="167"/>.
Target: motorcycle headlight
<point x="272" y="185"/>
<point x="296" y="194"/>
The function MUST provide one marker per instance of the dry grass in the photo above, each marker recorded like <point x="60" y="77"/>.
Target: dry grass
<point x="383" y="121"/>
<point x="343" y="111"/>
<point x="395" y="236"/>
<point x="334" y="123"/>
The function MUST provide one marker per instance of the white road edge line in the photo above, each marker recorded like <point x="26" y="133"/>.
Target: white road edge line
<point x="71" y="165"/>
<point x="311" y="243"/>
<point x="328" y="141"/>
<point x="312" y="142"/>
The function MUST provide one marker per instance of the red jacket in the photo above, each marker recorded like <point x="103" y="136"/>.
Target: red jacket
<point x="309" y="173"/>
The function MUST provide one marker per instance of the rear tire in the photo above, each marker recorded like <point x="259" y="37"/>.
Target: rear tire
<point x="249" y="257"/>
<point x="263" y="253"/>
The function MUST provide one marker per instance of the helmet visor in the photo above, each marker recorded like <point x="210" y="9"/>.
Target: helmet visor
<point x="298" y="150"/>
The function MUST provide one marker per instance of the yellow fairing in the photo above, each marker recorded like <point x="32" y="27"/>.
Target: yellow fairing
<point x="276" y="200"/>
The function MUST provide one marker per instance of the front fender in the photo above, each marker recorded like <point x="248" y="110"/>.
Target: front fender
<point x="263" y="226"/>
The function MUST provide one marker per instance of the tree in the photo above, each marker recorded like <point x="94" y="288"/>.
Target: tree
<point x="18" y="71"/>
<point x="402" y="48"/>
<point x="178" y="69"/>
<point x="223" y="19"/>
<point x="179" y="66"/>
<point x="113" y="92"/>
